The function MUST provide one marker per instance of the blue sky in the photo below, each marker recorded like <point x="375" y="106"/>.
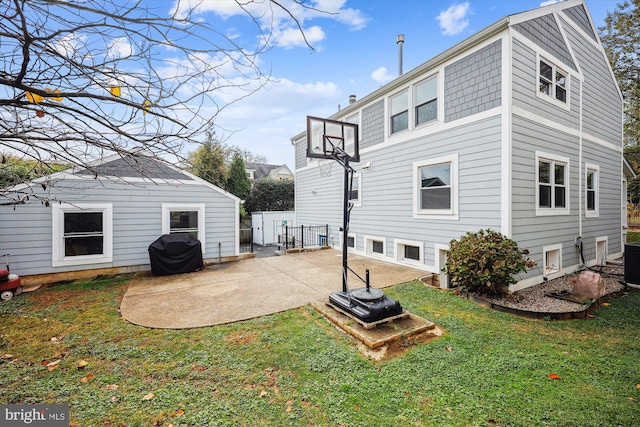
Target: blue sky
<point x="354" y="52"/>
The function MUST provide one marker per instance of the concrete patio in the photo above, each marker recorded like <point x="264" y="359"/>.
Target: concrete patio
<point x="249" y="288"/>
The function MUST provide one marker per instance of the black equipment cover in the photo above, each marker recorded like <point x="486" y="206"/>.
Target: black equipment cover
<point x="174" y="254"/>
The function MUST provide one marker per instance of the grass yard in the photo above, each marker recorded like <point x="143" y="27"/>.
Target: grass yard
<point x="633" y="236"/>
<point x="67" y="344"/>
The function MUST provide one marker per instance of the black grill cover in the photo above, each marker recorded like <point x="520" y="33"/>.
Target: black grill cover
<point x="175" y="254"/>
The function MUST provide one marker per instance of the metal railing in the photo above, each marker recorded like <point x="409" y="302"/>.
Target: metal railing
<point x="305" y="236"/>
<point x="246" y="240"/>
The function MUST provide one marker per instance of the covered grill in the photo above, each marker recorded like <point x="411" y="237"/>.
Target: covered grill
<point x="174" y="254"/>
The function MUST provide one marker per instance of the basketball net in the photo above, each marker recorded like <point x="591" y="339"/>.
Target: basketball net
<point x="325" y="167"/>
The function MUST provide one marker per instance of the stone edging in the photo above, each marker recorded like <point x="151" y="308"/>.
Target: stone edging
<point x="583" y="314"/>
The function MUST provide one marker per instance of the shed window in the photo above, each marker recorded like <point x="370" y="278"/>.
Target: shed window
<point x="82" y="234"/>
<point x="179" y="218"/>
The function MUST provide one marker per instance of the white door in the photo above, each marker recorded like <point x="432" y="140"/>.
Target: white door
<point x="258" y="229"/>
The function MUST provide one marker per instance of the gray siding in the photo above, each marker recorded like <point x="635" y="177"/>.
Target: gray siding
<point x="301" y="153"/>
<point x="26" y="231"/>
<point x="372" y="129"/>
<point x="578" y="15"/>
<point x="608" y="222"/>
<point x="473" y="84"/>
<point x="531" y="231"/>
<point x="544" y="32"/>
<point x="601" y="103"/>
<point x="525" y="87"/>
<point x="387" y="190"/>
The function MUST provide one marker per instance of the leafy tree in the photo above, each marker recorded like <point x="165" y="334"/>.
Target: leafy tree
<point x="633" y="190"/>
<point x="271" y="195"/>
<point x="238" y="183"/>
<point x="621" y="39"/>
<point x="208" y="161"/>
<point x="81" y="80"/>
<point x="13" y="169"/>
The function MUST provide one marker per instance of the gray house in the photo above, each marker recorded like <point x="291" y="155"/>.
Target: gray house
<point x="517" y="128"/>
<point x="77" y="224"/>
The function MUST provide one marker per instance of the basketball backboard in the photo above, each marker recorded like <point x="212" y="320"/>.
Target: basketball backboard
<point x="328" y="139"/>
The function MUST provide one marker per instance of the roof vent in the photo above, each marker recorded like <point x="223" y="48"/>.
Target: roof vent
<point x="352" y="99"/>
<point x="400" y="42"/>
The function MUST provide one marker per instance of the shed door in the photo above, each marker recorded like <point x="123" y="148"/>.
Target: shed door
<point x="258" y="229"/>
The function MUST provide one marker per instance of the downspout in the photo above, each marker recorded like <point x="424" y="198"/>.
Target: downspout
<point x="580" y="176"/>
<point x="506" y="136"/>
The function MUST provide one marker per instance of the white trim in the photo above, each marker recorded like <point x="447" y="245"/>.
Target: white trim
<point x="517" y="111"/>
<point x="368" y="246"/>
<point x="555" y="269"/>
<point x="199" y="207"/>
<point x="440" y="263"/>
<point x="58" y="258"/>
<point x="594" y="168"/>
<point x="506" y="162"/>
<point x="447" y="214"/>
<point x="399" y="244"/>
<point x="539" y="155"/>
<point x="599" y="240"/>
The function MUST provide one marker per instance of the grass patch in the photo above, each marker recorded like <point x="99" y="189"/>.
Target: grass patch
<point x="294" y="368"/>
<point x="633" y="236"/>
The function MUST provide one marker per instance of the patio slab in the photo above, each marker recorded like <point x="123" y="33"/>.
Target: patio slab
<point x="249" y="288"/>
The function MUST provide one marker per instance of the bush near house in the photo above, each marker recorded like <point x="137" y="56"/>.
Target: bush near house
<point x="485" y="262"/>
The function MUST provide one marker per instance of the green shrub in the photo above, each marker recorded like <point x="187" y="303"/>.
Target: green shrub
<point x="485" y="262"/>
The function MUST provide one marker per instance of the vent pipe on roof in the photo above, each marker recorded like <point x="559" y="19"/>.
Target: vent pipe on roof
<point x="400" y="42"/>
<point x="352" y="99"/>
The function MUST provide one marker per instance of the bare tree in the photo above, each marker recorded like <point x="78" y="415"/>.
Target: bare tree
<point x="80" y="80"/>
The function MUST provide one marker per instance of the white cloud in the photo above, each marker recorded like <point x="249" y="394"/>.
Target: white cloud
<point x="275" y="21"/>
<point x="381" y="75"/>
<point x="548" y="2"/>
<point x="292" y="37"/>
<point x="120" y="48"/>
<point x="454" y="20"/>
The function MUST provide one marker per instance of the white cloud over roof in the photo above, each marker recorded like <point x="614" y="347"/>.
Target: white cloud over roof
<point x="454" y="20"/>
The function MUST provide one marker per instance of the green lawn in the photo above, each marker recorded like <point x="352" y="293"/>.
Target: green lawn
<point x="633" y="236"/>
<point x="294" y="368"/>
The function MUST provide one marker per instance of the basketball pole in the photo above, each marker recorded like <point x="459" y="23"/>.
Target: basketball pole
<point x="345" y="223"/>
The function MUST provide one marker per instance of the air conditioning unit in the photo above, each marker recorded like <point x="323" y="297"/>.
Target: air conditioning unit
<point x="632" y="263"/>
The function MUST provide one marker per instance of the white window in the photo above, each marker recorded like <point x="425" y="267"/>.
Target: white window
<point x="553" y="82"/>
<point x="592" y="195"/>
<point x="82" y="234"/>
<point x="409" y="251"/>
<point x="552" y="178"/>
<point x="436" y="186"/>
<point x="178" y="218"/>
<point x="552" y="260"/>
<point x="399" y="111"/>
<point x="375" y="245"/>
<point x="349" y="136"/>
<point x="356" y="190"/>
<point x="426" y="101"/>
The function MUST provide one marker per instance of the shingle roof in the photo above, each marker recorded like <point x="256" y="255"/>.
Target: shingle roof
<point x="135" y="167"/>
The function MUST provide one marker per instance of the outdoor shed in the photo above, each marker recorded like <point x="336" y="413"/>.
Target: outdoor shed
<point x="103" y="219"/>
<point x="268" y="227"/>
